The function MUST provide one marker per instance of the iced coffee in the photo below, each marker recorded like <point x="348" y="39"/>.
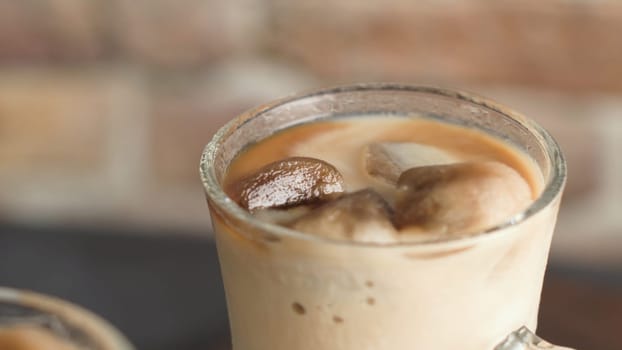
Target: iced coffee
<point x="31" y="321"/>
<point x="382" y="217"/>
<point x="32" y="338"/>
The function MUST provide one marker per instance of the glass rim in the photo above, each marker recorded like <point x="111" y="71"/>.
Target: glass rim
<point x="552" y="187"/>
<point x="102" y="331"/>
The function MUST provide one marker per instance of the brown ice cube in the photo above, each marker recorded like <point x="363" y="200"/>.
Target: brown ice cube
<point x="387" y="160"/>
<point x="459" y="198"/>
<point x="287" y="183"/>
<point x="362" y="216"/>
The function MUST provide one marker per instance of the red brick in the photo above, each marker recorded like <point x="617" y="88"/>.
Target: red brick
<point x="51" y="29"/>
<point x="180" y="33"/>
<point x="72" y="146"/>
<point x="560" y="44"/>
<point x="51" y="119"/>
<point x="181" y="130"/>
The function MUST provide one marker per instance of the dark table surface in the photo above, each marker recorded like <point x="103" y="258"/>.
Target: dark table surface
<point x="165" y="293"/>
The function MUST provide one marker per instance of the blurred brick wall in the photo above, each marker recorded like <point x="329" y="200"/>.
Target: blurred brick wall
<point x="106" y="105"/>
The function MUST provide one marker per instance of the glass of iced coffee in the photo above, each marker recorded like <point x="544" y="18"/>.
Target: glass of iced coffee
<point x="31" y="321"/>
<point x="382" y="216"/>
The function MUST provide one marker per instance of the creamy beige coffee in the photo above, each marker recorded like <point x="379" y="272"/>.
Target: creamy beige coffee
<point x="380" y="232"/>
<point x="32" y="338"/>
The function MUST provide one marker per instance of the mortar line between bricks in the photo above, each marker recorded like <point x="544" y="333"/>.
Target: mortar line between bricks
<point x="127" y="137"/>
<point x="612" y="178"/>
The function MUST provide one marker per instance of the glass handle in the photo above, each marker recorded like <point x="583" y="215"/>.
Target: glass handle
<point x="524" y="339"/>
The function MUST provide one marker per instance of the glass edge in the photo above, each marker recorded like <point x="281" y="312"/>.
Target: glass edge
<point x="551" y="191"/>
<point x="49" y="303"/>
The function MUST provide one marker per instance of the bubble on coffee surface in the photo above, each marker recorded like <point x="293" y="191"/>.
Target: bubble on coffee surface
<point x="387" y="160"/>
<point x="289" y="182"/>
<point x="362" y="216"/>
<point x="459" y="198"/>
<point x="298" y="308"/>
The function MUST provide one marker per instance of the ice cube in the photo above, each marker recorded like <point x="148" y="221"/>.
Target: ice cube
<point x="459" y="198"/>
<point x="524" y="339"/>
<point x="362" y="216"/>
<point x="288" y="182"/>
<point x="387" y="160"/>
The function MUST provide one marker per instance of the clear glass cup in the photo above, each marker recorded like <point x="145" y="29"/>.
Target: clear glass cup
<point x="32" y="321"/>
<point x="288" y="290"/>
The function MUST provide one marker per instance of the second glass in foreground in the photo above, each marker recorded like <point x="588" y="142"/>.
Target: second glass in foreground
<point x="31" y="321"/>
